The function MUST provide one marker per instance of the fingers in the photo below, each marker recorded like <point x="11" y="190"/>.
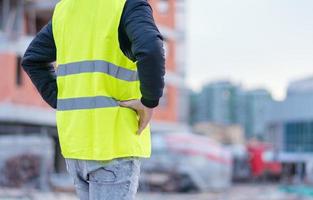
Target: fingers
<point x="143" y="122"/>
<point x="127" y="104"/>
<point x="134" y="104"/>
<point x="145" y="114"/>
<point x="144" y="119"/>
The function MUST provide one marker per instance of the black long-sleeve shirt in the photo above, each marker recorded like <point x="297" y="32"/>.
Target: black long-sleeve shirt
<point x="139" y="39"/>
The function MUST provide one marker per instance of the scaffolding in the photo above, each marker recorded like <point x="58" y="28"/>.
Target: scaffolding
<point x="20" y="20"/>
<point x="24" y="17"/>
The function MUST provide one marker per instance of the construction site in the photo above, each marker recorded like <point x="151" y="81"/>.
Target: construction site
<point x="222" y="163"/>
<point x="29" y="139"/>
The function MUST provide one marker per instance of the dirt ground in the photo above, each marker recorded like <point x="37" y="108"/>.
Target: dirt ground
<point x="237" y="192"/>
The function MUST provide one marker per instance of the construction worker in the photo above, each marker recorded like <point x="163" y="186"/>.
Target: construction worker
<point x="108" y="77"/>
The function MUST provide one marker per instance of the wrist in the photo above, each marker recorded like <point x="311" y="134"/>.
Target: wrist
<point x="149" y="103"/>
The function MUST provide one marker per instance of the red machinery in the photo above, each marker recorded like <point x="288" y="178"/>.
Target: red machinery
<point x="262" y="160"/>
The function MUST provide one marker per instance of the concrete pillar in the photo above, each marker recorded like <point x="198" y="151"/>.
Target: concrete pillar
<point x="5" y="12"/>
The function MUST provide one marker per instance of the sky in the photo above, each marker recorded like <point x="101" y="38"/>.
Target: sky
<point x="256" y="43"/>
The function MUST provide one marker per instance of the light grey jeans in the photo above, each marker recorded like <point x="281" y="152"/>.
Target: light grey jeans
<point x="105" y="180"/>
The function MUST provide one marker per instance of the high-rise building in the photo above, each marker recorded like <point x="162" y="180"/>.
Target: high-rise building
<point x="220" y="102"/>
<point x="257" y="105"/>
<point x="290" y="125"/>
<point x="217" y="102"/>
<point x="300" y="86"/>
<point x="225" y="103"/>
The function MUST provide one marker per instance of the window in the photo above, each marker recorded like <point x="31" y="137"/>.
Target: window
<point x="19" y="78"/>
<point x="163" y="6"/>
<point x="11" y="16"/>
<point x="299" y="137"/>
<point x="1" y="15"/>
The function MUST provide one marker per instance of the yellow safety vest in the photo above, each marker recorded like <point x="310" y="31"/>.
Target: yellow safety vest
<point x="92" y="75"/>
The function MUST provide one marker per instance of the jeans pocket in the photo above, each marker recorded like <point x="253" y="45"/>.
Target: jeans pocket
<point x="102" y="175"/>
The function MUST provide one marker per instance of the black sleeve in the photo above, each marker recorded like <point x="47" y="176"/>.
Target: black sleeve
<point x="147" y="48"/>
<point x="37" y="64"/>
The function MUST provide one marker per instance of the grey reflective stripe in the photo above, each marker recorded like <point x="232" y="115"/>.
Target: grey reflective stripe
<point x="97" y="66"/>
<point x="86" y="103"/>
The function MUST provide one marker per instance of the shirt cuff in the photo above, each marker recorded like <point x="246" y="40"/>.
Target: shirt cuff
<point x="149" y="103"/>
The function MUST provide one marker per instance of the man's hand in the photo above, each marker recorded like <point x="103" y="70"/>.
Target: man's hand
<point x="145" y="113"/>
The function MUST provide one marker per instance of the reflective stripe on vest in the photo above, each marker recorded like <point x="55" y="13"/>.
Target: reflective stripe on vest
<point x="97" y="66"/>
<point x="92" y="74"/>
<point x="86" y="103"/>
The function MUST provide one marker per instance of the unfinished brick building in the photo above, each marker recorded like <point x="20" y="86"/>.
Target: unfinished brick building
<point x="22" y="111"/>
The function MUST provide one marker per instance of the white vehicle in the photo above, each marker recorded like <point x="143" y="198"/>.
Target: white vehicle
<point x="184" y="162"/>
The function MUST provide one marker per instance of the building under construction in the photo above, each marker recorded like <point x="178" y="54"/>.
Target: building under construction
<point x="24" y="113"/>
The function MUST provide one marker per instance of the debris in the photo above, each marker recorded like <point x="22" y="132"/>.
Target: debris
<point x="21" y="169"/>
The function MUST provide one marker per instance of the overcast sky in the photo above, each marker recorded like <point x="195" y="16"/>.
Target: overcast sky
<point x="258" y="43"/>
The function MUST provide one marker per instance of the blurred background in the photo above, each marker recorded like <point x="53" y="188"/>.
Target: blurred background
<point x="235" y="121"/>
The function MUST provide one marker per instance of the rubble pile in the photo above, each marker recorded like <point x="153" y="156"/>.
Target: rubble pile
<point x="21" y="170"/>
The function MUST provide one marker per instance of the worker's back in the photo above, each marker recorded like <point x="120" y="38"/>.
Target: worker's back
<point x="92" y="75"/>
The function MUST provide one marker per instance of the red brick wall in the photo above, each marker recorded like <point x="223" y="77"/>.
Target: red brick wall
<point x="166" y="19"/>
<point x="24" y="94"/>
<point x="167" y="111"/>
